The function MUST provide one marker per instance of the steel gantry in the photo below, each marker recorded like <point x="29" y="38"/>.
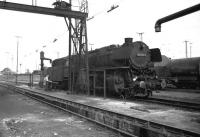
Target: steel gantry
<point x="76" y="23"/>
<point x="78" y="35"/>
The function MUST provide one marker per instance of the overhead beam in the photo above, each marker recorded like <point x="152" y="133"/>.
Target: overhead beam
<point x="42" y="10"/>
<point x="176" y="15"/>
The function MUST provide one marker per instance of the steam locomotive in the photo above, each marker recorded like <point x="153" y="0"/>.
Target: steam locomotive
<point x="119" y="69"/>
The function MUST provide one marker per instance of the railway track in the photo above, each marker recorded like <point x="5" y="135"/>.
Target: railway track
<point x="172" y="102"/>
<point x="163" y="101"/>
<point x="158" y="100"/>
<point x="123" y="124"/>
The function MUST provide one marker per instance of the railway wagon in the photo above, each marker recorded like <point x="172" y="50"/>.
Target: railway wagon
<point x="185" y="72"/>
<point x="125" y="67"/>
<point x="182" y="73"/>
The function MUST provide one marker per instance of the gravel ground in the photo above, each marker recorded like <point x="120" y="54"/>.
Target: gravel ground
<point x="21" y="116"/>
<point x="180" y="118"/>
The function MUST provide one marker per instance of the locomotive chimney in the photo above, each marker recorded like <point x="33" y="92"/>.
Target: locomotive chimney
<point x="128" y="40"/>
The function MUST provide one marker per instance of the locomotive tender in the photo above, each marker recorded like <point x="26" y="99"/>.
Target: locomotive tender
<point x="123" y="68"/>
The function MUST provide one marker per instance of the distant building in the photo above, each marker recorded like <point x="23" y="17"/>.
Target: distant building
<point x="36" y="72"/>
<point x="7" y="71"/>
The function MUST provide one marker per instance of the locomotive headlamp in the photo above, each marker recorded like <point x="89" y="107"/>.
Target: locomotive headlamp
<point x="135" y="78"/>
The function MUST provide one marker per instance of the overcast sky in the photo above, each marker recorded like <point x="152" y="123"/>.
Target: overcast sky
<point x="38" y="31"/>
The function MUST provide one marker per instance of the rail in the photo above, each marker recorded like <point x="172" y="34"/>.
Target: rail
<point x="172" y="102"/>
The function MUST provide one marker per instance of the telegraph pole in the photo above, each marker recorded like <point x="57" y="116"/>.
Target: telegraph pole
<point x="140" y="35"/>
<point x="186" y="52"/>
<point x="17" y="56"/>
<point x="17" y="52"/>
<point x="34" y="2"/>
<point x="190" y="49"/>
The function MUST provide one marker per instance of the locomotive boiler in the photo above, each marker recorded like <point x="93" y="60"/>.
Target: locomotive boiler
<point x="118" y="68"/>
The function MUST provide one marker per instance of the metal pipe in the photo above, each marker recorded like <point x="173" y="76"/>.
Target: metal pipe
<point x="176" y="15"/>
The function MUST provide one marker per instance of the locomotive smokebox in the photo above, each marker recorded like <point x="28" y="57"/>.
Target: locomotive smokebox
<point x="128" y="40"/>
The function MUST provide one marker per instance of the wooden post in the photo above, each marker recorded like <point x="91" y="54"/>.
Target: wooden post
<point x="16" y="79"/>
<point x="72" y="72"/>
<point x="94" y="82"/>
<point x="30" y="80"/>
<point x="104" y="83"/>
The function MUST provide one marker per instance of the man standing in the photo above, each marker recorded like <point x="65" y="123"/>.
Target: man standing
<point x="46" y="82"/>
